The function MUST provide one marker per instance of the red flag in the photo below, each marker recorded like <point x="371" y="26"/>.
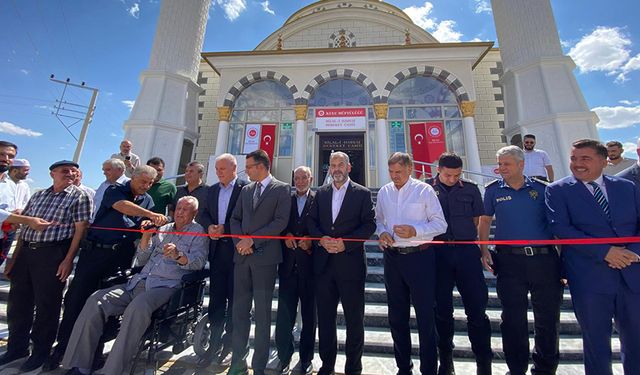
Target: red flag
<point x="436" y="143"/>
<point x="418" y="134"/>
<point x="268" y="139"/>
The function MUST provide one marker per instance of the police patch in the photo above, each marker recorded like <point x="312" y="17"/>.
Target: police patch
<point x="533" y="194"/>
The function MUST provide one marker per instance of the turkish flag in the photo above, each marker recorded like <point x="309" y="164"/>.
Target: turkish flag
<point x="268" y="139"/>
<point x="418" y="134"/>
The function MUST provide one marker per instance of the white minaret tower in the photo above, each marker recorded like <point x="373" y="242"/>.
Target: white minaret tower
<point x="164" y="117"/>
<point x="541" y="94"/>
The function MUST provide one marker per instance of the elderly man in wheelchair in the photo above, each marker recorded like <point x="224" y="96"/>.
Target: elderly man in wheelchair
<point x="167" y="257"/>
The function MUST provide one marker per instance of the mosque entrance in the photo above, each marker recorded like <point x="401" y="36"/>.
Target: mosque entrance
<point x="350" y="143"/>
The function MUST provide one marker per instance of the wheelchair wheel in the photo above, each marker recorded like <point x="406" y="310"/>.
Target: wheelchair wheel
<point x="201" y="336"/>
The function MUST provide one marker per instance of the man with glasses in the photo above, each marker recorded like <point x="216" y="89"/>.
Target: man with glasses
<point x="536" y="162"/>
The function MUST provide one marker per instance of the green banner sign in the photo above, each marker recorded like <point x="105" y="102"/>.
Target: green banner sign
<point x="396" y="124"/>
<point x="287" y="126"/>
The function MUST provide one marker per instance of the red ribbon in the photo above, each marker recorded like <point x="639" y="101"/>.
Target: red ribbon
<point x="571" y="241"/>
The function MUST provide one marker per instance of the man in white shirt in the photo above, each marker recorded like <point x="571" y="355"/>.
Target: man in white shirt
<point x="536" y="162"/>
<point x="78" y="182"/>
<point x="616" y="163"/>
<point x="113" y="170"/>
<point x="18" y="172"/>
<point x="408" y="216"/>
<point x="131" y="160"/>
<point x="8" y="187"/>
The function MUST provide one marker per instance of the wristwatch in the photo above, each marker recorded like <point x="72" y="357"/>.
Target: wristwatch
<point x="180" y="255"/>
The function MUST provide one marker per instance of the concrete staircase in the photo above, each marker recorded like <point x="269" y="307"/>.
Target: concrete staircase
<point x="379" y="345"/>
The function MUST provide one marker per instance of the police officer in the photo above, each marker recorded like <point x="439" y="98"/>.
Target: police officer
<point x="517" y="202"/>
<point x="460" y="265"/>
<point x="105" y="251"/>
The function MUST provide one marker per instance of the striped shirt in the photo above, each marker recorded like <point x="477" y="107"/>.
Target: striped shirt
<point x="65" y="208"/>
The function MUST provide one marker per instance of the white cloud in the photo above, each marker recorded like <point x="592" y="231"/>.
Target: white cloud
<point x="628" y="102"/>
<point x="482" y="6"/>
<point x="629" y="149"/>
<point x="24" y="71"/>
<point x="265" y="7"/>
<point x="114" y="135"/>
<point x="232" y="8"/>
<point x="134" y="10"/>
<point x="618" y="117"/>
<point x="9" y="128"/>
<point x="444" y="30"/>
<point x="606" y="49"/>
<point x="129" y="103"/>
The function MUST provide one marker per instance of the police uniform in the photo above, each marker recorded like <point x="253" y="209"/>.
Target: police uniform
<point x="460" y="265"/>
<point x="520" y="214"/>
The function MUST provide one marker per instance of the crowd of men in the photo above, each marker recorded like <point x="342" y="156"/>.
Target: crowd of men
<point x="425" y="229"/>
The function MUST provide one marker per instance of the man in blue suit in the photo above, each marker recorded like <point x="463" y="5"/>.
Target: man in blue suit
<point x="604" y="279"/>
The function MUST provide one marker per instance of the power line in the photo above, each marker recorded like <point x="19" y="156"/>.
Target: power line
<point x="25" y="97"/>
<point x="26" y="31"/>
<point x="66" y="30"/>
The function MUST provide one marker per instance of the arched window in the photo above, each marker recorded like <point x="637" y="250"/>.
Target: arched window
<point x="421" y="99"/>
<point x="263" y="102"/>
<point x="340" y="93"/>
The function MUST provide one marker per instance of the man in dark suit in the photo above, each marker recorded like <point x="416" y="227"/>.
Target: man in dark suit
<point x="262" y="210"/>
<point x="343" y="210"/>
<point x="633" y="172"/>
<point x="215" y="217"/>
<point x="296" y="279"/>
<point x="604" y="279"/>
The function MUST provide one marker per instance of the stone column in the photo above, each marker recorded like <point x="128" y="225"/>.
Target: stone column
<point x="165" y="112"/>
<point x="224" y="114"/>
<point x="468" y="109"/>
<point x="300" y="143"/>
<point x="382" y="143"/>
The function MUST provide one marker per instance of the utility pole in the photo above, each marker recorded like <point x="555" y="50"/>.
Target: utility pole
<point x="64" y="112"/>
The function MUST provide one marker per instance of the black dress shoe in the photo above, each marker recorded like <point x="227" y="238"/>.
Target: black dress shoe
<point x="284" y="369"/>
<point x="53" y="362"/>
<point x="33" y="362"/>
<point x="9" y="357"/>
<point x="307" y="368"/>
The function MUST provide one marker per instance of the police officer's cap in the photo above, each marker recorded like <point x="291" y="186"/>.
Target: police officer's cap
<point x="63" y="163"/>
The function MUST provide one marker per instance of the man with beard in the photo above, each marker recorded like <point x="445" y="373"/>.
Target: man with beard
<point x="343" y="209"/>
<point x="16" y="200"/>
<point x="43" y="264"/>
<point x="536" y="162"/>
<point x="215" y="218"/>
<point x="106" y="251"/>
<point x="131" y="160"/>
<point x="262" y="210"/>
<point x="616" y="163"/>
<point x="162" y="191"/>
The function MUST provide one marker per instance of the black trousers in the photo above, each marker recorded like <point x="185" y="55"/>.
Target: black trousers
<point x="34" y="284"/>
<point x="221" y="296"/>
<point x="329" y="291"/>
<point x="410" y="279"/>
<point x="94" y="264"/>
<point x="519" y="275"/>
<point x="459" y="265"/>
<point x="293" y="288"/>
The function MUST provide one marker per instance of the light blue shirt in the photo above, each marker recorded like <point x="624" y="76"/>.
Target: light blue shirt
<point x="162" y="272"/>
<point x="99" y="194"/>
<point x="301" y="200"/>
<point x="224" y="197"/>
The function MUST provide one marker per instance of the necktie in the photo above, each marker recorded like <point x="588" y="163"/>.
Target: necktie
<point x="600" y="198"/>
<point x="256" y="195"/>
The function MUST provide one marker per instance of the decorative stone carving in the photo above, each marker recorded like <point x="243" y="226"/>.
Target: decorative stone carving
<point x="301" y="111"/>
<point x="468" y="108"/>
<point x="224" y="113"/>
<point x="381" y="110"/>
<point x="279" y="46"/>
<point x="407" y="37"/>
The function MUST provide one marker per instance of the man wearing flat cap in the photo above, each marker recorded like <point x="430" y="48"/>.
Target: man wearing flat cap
<point x="43" y="262"/>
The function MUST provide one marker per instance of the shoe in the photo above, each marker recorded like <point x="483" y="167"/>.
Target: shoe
<point x="74" y="371"/>
<point x="224" y="359"/>
<point x="53" y="362"/>
<point x="34" y="361"/>
<point x="204" y="362"/>
<point x="284" y="369"/>
<point x="307" y="368"/>
<point x="324" y="371"/>
<point x="9" y="357"/>
<point x="446" y="366"/>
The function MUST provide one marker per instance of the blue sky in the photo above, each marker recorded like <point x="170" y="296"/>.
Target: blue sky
<point x="107" y="44"/>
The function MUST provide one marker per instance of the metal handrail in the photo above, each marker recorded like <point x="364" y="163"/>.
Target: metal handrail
<point x="463" y="171"/>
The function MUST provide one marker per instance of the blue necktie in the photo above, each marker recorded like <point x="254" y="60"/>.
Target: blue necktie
<point x="600" y="198"/>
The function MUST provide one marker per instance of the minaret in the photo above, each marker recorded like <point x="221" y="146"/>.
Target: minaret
<point x="163" y="121"/>
<point x="541" y="94"/>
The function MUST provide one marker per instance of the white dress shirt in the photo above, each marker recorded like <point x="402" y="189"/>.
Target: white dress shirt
<point x="535" y="162"/>
<point x="13" y="195"/>
<point x="337" y="198"/>
<point x="414" y="204"/>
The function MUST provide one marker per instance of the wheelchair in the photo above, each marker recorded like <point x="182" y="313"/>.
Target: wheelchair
<point x="172" y="325"/>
